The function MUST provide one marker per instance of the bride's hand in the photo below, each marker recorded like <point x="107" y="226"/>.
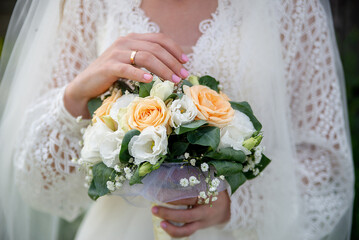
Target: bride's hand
<point x="198" y="217"/>
<point x="156" y="52"/>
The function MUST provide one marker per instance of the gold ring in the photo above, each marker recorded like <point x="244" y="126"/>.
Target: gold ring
<point x="133" y="55"/>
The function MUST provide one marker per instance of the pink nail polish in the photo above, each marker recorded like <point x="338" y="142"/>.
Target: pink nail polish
<point x="185" y="58"/>
<point x="155" y="210"/>
<point x="176" y="78"/>
<point x="147" y="76"/>
<point x="184" y="73"/>
<point x="163" y="225"/>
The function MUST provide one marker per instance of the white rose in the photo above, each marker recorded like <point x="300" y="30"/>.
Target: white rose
<point x="236" y="132"/>
<point x="162" y="89"/>
<point x="119" y="109"/>
<point x="182" y="111"/>
<point x="110" y="147"/>
<point x="147" y="146"/>
<point x="92" y="138"/>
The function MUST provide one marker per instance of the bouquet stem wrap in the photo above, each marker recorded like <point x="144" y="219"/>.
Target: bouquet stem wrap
<point x="159" y="233"/>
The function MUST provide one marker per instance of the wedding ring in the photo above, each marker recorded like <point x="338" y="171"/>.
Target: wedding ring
<point x="133" y="55"/>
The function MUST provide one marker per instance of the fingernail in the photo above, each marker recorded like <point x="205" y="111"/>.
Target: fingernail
<point x="176" y="78"/>
<point x="155" y="210"/>
<point x="184" y="73"/>
<point x="163" y="224"/>
<point x="147" y="76"/>
<point x="185" y="58"/>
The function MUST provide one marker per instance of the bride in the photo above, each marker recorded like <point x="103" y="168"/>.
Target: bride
<point x="279" y="55"/>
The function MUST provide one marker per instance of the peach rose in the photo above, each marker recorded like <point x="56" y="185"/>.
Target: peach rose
<point x="103" y="111"/>
<point x="145" y="112"/>
<point x="212" y="106"/>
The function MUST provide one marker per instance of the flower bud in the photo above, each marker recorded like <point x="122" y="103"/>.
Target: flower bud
<point x="162" y="89"/>
<point x="145" y="168"/>
<point x="193" y="79"/>
<point x="252" y="142"/>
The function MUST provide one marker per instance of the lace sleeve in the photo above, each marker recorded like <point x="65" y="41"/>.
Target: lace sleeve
<point x="317" y="111"/>
<point x="323" y="155"/>
<point x="45" y="175"/>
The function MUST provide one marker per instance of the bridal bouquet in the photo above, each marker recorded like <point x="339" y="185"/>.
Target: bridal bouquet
<point x="167" y="142"/>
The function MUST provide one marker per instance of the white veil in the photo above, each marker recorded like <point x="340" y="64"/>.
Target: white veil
<point x="29" y="41"/>
<point x="31" y="34"/>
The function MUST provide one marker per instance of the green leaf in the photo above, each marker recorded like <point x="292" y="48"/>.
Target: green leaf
<point x="173" y="96"/>
<point x="245" y="108"/>
<point x="93" y="105"/>
<point x="101" y="174"/>
<point x="145" y="89"/>
<point x="178" y="148"/>
<point x="261" y="166"/>
<point x="228" y="154"/>
<point x="226" y="168"/>
<point x="136" y="178"/>
<point x="189" y="126"/>
<point x="186" y="83"/>
<point x="205" y="136"/>
<point x="235" y="181"/>
<point x="124" y="154"/>
<point x="92" y="192"/>
<point x="124" y="86"/>
<point x="210" y="82"/>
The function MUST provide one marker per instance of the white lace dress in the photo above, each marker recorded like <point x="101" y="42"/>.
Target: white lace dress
<point x="324" y="171"/>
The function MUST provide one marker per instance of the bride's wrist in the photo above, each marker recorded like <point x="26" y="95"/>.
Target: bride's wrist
<point x="75" y="105"/>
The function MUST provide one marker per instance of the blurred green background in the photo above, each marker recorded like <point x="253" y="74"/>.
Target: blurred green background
<point x="346" y="21"/>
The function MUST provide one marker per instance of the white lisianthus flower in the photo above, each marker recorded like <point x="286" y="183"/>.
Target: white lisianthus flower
<point x="182" y="111"/>
<point x="110" y="147"/>
<point x="236" y="132"/>
<point x="93" y="136"/>
<point x="149" y="145"/>
<point x="204" y="167"/>
<point x="184" y="182"/>
<point x="214" y="199"/>
<point x="162" y="89"/>
<point x="119" y="110"/>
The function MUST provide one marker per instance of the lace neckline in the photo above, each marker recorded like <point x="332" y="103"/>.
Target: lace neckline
<point x="205" y="26"/>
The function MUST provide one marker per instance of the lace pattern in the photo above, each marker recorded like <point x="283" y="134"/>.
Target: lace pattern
<point x="316" y="110"/>
<point x="317" y="117"/>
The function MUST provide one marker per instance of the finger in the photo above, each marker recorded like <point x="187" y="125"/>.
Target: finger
<point x="161" y="53"/>
<point x="179" y="215"/>
<point x="166" y="42"/>
<point x="123" y="70"/>
<point x="154" y="65"/>
<point x="183" y="231"/>
<point x="186" y="201"/>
